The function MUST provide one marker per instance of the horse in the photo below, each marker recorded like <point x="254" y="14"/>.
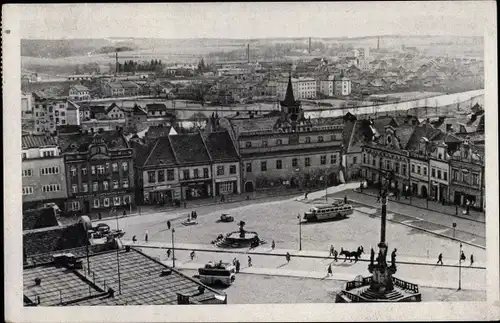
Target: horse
<point x="356" y="254"/>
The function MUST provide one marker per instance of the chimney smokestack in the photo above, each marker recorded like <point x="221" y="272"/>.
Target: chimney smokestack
<point x="117" y="66"/>
<point x="309" y="45"/>
<point x="248" y="53"/>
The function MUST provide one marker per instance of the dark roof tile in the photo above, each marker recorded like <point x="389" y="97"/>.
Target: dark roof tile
<point x="37" y="141"/>
<point x="189" y="148"/>
<point x="221" y="147"/>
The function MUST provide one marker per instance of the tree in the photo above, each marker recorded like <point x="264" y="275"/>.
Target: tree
<point x="199" y="120"/>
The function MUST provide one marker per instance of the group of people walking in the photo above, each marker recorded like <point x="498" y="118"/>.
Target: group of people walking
<point x="462" y="258"/>
<point x="333" y="253"/>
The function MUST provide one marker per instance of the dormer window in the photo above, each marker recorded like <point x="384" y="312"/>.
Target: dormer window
<point x="389" y="139"/>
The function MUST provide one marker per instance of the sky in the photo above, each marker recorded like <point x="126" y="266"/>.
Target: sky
<point x="253" y="20"/>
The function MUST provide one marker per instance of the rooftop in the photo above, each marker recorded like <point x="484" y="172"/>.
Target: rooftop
<point x="189" y="148"/>
<point x="159" y="153"/>
<point x="79" y="87"/>
<point x="39" y="218"/>
<point x="142" y="282"/>
<point x="221" y="147"/>
<point x="37" y="141"/>
<point x="81" y="142"/>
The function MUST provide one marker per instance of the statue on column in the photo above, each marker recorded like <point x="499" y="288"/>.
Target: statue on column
<point x="393" y="258"/>
<point x="372" y="256"/>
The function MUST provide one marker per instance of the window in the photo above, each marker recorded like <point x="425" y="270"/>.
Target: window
<point x="75" y="205"/>
<point x="92" y="170"/>
<point x="105" y="185"/>
<point x="264" y="143"/>
<point x="413" y="168"/>
<point x="205" y="172"/>
<point x="263" y="166"/>
<point x="74" y="188"/>
<point x="396" y="167"/>
<point x="418" y="169"/>
<point x="333" y="159"/>
<point x="248" y="144"/>
<point x="354" y="160"/>
<point x="295" y="162"/>
<point x="475" y="179"/>
<point x="73" y="171"/>
<point x="433" y="172"/>
<point x="364" y="158"/>
<point x="185" y="173"/>
<point x="220" y="170"/>
<point x="307" y="161"/>
<point x="27" y="172"/>
<point x="455" y="174"/>
<point x="106" y="202"/>
<point x="403" y="168"/>
<point x="308" y="140"/>
<point x="279" y="164"/>
<point x="115" y="167"/>
<point x="116" y="185"/>
<point x="373" y="161"/>
<point x="95" y="186"/>
<point x="279" y="142"/>
<point x="425" y="171"/>
<point x="151" y="177"/>
<point x="320" y="138"/>
<point x="125" y="166"/>
<point x="248" y="167"/>
<point x="323" y="160"/>
<point x="100" y="169"/>
<point x="125" y="183"/>
<point x="439" y="174"/>
<point x="96" y="203"/>
<point x="126" y="200"/>
<point x="116" y="200"/>
<point x="387" y="164"/>
<point x="465" y="177"/>
<point x="161" y="176"/>
<point x="196" y="173"/>
<point x="445" y="176"/>
<point x="170" y="175"/>
<point x="232" y="169"/>
<point x="333" y="137"/>
<point x="440" y="156"/>
<point x="27" y="190"/>
<point x="84" y="171"/>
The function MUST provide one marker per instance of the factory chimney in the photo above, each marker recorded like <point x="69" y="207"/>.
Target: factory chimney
<point x="378" y="43"/>
<point x="116" y="64"/>
<point x="248" y="53"/>
<point x="309" y="45"/>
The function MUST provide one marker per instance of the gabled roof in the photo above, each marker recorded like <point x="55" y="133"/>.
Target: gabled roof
<point x="111" y="107"/>
<point x="81" y="142"/>
<point x="423" y="130"/>
<point x="129" y="85"/>
<point x="72" y="105"/>
<point x="45" y="240"/>
<point x="253" y="124"/>
<point x="189" y="148"/>
<point x="221" y="147"/>
<point x="98" y="109"/>
<point x="156" y="107"/>
<point x="37" y="141"/>
<point x="79" y="87"/>
<point x="158" y="153"/>
<point x="39" y="218"/>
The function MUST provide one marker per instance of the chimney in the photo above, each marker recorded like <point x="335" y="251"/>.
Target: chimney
<point x="117" y="66"/>
<point x="309" y="45"/>
<point x="182" y="299"/>
<point x="38" y="281"/>
<point x="248" y="53"/>
<point x="449" y="128"/>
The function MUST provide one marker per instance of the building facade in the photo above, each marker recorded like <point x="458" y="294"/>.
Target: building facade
<point x="79" y="93"/>
<point x="303" y="88"/>
<point x="43" y="171"/>
<point x="440" y="174"/>
<point x="100" y="173"/>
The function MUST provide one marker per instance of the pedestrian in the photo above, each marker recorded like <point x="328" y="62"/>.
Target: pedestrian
<point x="249" y="261"/>
<point x="335" y="254"/>
<point x="192" y="254"/>
<point x="234" y="261"/>
<point x="440" y="259"/>
<point x="124" y="213"/>
<point x="168" y="253"/>
<point x="467" y="208"/>
<point x="134" y="239"/>
<point x="184" y="204"/>
<point x="331" y="251"/>
<point x="99" y="216"/>
<point x="169" y="225"/>
<point x="146" y="236"/>
<point x="462" y="257"/>
<point x="329" y="269"/>
<point x="378" y="197"/>
<point x="471" y="260"/>
<point x="273" y="245"/>
<point x="195" y="215"/>
<point x="345" y="199"/>
<point x="287" y="256"/>
<point x="237" y="266"/>
<point x="305" y="196"/>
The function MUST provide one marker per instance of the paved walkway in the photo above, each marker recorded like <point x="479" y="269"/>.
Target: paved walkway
<point x="430" y="205"/>
<point x="305" y="264"/>
<point x="267" y="251"/>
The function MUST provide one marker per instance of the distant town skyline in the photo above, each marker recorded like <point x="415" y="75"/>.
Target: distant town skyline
<point x="253" y="20"/>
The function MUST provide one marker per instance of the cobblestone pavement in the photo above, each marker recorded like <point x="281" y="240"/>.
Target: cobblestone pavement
<point x="259" y="289"/>
<point x="428" y="276"/>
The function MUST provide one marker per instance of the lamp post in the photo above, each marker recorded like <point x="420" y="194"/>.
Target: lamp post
<point x="118" y="255"/>
<point x="460" y="268"/>
<point x="300" y="232"/>
<point x="173" y="248"/>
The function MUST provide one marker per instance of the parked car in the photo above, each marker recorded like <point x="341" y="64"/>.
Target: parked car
<point x="226" y="218"/>
<point x="102" y="228"/>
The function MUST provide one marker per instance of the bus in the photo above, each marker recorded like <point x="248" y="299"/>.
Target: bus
<point x="328" y="212"/>
<point x="217" y="274"/>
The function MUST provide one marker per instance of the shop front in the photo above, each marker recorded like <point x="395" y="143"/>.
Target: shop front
<point x="439" y="191"/>
<point x="163" y="195"/>
<point x="225" y="186"/>
<point x="195" y="190"/>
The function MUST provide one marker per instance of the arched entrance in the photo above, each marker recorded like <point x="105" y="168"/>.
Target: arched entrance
<point x="249" y="186"/>
<point x="424" y="192"/>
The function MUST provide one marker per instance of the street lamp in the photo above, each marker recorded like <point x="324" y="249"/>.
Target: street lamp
<point x="460" y="268"/>
<point x="300" y="233"/>
<point x="118" y="253"/>
<point x="173" y="249"/>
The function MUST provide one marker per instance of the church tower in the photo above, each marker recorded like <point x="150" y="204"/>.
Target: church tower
<point x="289" y="106"/>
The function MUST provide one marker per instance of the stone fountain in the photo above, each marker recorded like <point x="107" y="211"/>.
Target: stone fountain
<point x="239" y="239"/>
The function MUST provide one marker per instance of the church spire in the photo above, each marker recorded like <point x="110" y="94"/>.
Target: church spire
<point x="289" y="98"/>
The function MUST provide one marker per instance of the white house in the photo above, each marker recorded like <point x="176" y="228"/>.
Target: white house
<point x="79" y="93"/>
